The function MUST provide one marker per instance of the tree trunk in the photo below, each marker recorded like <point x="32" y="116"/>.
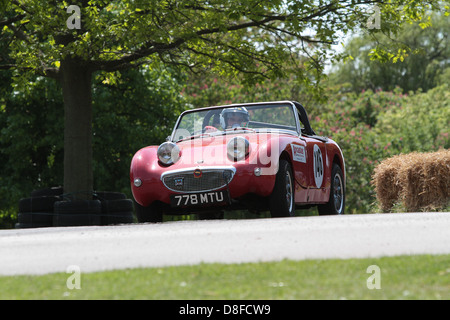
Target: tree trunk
<point x="76" y="78"/>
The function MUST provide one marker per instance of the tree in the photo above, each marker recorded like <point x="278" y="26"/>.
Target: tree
<point x="137" y="109"/>
<point x="427" y="56"/>
<point x="253" y="38"/>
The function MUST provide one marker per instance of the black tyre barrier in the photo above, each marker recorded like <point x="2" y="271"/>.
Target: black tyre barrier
<point x="38" y="218"/>
<point x="47" y="208"/>
<point x="108" y="195"/>
<point x="38" y="204"/>
<point x="119" y="205"/>
<point x="48" y="192"/>
<point x="36" y="212"/>
<point x="77" y="213"/>
<point x="31" y="225"/>
<point x="117" y="211"/>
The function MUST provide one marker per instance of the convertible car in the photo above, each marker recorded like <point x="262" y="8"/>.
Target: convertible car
<point x="255" y="156"/>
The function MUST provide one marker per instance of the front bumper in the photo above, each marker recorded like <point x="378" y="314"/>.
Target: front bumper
<point x="239" y="180"/>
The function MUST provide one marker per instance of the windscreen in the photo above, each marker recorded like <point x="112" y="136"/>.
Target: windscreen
<point x="213" y="121"/>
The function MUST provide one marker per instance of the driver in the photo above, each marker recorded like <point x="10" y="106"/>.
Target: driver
<point x="234" y="117"/>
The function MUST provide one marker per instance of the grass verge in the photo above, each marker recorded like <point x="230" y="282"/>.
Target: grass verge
<point x="404" y="277"/>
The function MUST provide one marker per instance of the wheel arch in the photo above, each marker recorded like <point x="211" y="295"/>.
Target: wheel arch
<point x="340" y="162"/>
<point x="285" y="156"/>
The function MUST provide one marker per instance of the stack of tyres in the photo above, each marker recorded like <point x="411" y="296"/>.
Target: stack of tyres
<point x="77" y="213"/>
<point x="36" y="212"/>
<point x="116" y="209"/>
<point x="49" y="207"/>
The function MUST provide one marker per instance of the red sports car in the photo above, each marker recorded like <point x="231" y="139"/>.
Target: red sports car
<point x="255" y="156"/>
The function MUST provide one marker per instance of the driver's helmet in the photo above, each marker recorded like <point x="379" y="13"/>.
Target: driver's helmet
<point x="238" y="115"/>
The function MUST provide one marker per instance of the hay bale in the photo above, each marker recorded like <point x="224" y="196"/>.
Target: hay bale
<point x="424" y="178"/>
<point x="386" y="183"/>
<point x="421" y="181"/>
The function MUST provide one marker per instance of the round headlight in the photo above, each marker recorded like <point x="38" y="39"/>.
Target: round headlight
<point x="168" y="153"/>
<point x="238" y="148"/>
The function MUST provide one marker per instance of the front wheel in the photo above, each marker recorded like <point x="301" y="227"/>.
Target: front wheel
<point x="148" y="214"/>
<point x="281" y="201"/>
<point x="336" y="203"/>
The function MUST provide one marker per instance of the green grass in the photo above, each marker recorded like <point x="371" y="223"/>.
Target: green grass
<point x="405" y="277"/>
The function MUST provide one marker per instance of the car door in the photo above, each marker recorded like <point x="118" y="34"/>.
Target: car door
<point x="317" y="187"/>
<point x="300" y="169"/>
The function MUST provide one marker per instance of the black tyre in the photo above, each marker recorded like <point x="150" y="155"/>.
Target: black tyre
<point x="336" y="203"/>
<point x="119" y="205"/>
<point x="152" y="213"/>
<point x="77" y="213"/>
<point x="281" y="201"/>
<point x="117" y="211"/>
<point x="38" y="204"/>
<point x="48" y="192"/>
<point x="30" y="225"/>
<point x="107" y="195"/>
<point x="38" y="218"/>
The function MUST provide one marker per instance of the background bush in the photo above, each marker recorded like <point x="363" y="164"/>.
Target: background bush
<point x="369" y="126"/>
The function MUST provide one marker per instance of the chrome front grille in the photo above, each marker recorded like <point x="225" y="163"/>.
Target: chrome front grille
<point x="194" y="181"/>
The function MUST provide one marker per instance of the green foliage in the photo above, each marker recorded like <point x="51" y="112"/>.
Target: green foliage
<point x="138" y="110"/>
<point x="209" y="90"/>
<point x="30" y="142"/>
<point x="369" y="126"/>
<point x="418" y="61"/>
<point x="372" y="126"/>
<point x="251" y="38"/>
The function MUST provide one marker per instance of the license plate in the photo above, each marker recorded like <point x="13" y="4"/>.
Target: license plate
<point x="200" y="199"/>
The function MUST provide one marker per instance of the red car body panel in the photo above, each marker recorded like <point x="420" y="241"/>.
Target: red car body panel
<point x="203" y="153"/>
<point x="311" y="158"/>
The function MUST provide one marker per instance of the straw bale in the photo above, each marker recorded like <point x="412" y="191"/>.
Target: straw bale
<point x="385" y="182"/>
<point x="419" y="180"/>
<point x="425" y="180"/>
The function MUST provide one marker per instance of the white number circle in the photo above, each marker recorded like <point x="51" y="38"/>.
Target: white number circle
<point x="318" y="166"/>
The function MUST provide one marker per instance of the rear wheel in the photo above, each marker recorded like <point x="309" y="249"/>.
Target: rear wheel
<point x="281" y="201"/>
<point x="336" y="203"/>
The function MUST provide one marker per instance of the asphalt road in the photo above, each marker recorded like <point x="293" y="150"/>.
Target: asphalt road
<point x="48" y="250"/>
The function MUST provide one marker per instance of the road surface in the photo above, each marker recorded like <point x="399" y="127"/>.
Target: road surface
<point x="98" y="248"/>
